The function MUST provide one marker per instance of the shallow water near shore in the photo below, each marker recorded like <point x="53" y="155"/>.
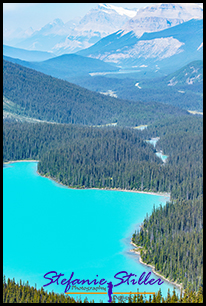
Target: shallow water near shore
<point x="49" y="227"/>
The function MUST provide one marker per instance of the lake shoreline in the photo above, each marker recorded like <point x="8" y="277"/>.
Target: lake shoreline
<point x="112" y="189"/>
<point x="179" y="286"/>
<point x="20" y="161"/>
<point x="164" y="194"/>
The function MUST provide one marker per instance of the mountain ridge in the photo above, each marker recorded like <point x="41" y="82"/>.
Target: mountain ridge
<point x="103" y="20"/>
<point x="66" y="65"/>
<point x="39" y="96"/>
<point x="26" y="55"/>
<point x="169" y="48"/>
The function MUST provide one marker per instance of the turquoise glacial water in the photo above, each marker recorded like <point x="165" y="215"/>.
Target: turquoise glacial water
<point x="49" y="227"/>
<point x="153" y="141"/>
<point x="163" y="157"/>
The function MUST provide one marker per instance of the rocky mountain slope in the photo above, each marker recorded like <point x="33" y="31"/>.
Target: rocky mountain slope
<point x="167" y="49"/>
<point x="101" y="21"/>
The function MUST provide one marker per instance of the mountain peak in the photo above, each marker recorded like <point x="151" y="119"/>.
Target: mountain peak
<point x="119" y="10"/>
<point x="157" y="17"/>
<point x="57" y="21"/>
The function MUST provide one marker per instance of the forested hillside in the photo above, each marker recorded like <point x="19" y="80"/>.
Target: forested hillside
<point x="36" y="95"/>
<point x="172" y="237"/>
<point x="183" y="88"/>
<point x="109" y="157"/>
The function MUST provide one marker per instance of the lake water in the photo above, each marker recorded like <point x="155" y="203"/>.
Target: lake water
<point x="163" y="157"/>
<point x="153" y="141"/>
<point x="49" y="227"/>
<point x="114" y="72"/>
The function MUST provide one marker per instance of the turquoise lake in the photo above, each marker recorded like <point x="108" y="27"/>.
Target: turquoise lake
<point x="49" y="227"/>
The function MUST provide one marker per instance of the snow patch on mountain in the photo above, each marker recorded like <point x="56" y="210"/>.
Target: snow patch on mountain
<point x="120" y="10"/>
<point x="201" y="45"/>
<point x="71" y="45"/>
<point x="109" y="93"/>
<point x="99" y="22"/>
<point x="190" y="81"/>
<point x="137" y="85"/>
<point x="172" y="82"/>
<point x="159" y="48"/>
<point x="56" y="27"/>
<point x="195" y="70"/>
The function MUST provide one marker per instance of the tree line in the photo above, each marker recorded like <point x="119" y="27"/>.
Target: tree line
<point x="14" y="292"/>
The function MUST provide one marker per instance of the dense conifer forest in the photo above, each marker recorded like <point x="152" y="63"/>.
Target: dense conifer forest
<point x="171" y="239"/>
<point x="23" y="293"/>
<point x="35" y="95"/>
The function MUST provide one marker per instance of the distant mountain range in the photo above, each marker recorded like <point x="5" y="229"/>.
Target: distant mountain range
<point x="26" y="55"/>
<point x="100" y="22"/>
<point x="139" y="61"/>
<point x="43" y="39"/>
<point x="78" y="34"/>
<point x="168" y="49"/>
<point x="161" y="16"/>
<point x="66" y="66"/>
<point x="96" y="24"/>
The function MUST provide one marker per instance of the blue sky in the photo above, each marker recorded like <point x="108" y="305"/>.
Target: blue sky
<point x="36" y="15"/>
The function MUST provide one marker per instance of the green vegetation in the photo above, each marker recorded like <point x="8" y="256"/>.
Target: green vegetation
<point x="186" y="92"/>
<point x="172" y="237"/>
<point x="39" y="96"/>
<point x="24" y="293"/>
<point x="85" y="156"/>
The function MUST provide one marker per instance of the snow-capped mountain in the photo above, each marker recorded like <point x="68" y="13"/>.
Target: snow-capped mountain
<point x="105" y="19"/>
<point x="162" y="16"/>
<point x="96" y="24"/>
<point x="79" y="33"/>
<point x="170" y="48"/>
<point x="46" y="37"/>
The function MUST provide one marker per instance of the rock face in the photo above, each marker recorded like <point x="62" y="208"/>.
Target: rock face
<point x="162" y="16"/>
<point x="96" y="24"/>
<point x="78" y="34"/>
<point x="171" y="48"/>
<point x="106" y="19"/>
